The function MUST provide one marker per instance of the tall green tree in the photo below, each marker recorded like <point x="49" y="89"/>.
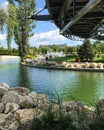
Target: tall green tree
<point x="2" y="18"/>
<point x="8" y="18"/>
<point x="11" y="23"/>
<point x="24" y="29"/>
<point x="86" y="52"/>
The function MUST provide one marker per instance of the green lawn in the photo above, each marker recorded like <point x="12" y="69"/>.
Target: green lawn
<point x="73" y="59"/>
<point x="67" y="59"/>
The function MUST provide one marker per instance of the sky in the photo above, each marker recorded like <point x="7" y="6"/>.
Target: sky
<point x="45" y="32"/>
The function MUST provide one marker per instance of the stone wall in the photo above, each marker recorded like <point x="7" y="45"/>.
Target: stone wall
<point x="19" y="107"/>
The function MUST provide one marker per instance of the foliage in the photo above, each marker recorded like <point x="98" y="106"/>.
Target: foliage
<point x="11" y="23"/>
<point x="98" y="47"/>
<point x="86" y="52"/>
<point x="18" y="25"/>
<point x="23" y="30"/>
<point x="9" y="52"/>
<point x="56" y="48"/>
<point x="2" y="18"/>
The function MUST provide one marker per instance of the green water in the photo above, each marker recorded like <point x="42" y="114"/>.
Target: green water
<point x="84" y="86"/>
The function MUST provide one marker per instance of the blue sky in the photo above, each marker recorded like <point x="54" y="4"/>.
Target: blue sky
<point x="45" y="32"/>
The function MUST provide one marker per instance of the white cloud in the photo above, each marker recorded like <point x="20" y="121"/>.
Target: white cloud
<point x="51" y="37"/>
<point x="4" y="5"/>
<point x="2" y="37"/>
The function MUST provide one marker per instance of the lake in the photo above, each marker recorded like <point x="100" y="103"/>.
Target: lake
<point x="83" y="86"/>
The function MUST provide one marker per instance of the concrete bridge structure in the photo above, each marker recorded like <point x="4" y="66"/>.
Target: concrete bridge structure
<point x="82" y="18"/>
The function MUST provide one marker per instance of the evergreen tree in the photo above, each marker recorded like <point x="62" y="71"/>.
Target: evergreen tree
<point x="86" y="52"/>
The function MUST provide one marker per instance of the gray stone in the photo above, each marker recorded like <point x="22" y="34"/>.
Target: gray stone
<point x="25" y="117"/>
<point x="21" y="91"/>
<point x="14" y="125"/>
<point x="43" y="102"/>
<point x="11" y="107"/>
<point x="3" y="90"/>
<point x="34" y="97"/>
<point x="11" y="96"/>
<point x="26" y="102"/>
<point x="4" y="85"/>
<point x="73" y="106"/>
<point x="1" y="107"/>
<point x="5" y="119"/>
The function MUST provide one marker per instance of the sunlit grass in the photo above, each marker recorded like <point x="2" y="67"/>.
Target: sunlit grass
<point x="73" y="59"/>
<point x="66" y="59"/>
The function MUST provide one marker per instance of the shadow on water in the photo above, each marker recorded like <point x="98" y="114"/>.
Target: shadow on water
<point x="23" y="77"/>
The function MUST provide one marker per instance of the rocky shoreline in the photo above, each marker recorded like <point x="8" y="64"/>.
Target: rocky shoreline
<point x="76" y="66"/>
<point x="19" y="107"/>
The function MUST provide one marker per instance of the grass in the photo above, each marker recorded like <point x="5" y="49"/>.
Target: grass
<point x="64" y="121"/>
<point x="73" y="59"/>
<point x="66" y="59"/>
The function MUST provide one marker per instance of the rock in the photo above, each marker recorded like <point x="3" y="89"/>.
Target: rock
<point x="3" y="90"/>
<point x="26" y="102"/>
<point x="73" y="106"/>
<point x="21" y="91"/>
<point x="1" y="107"/>
<point x="11" y="107"/>
<point x="100" y="103"/>
<point x="4" y="85"/>
<point x="10" y="97"/>
<point x="5" y="120"/>
<point x="43" y="102"/>
<point x="13" y="126"/>
<point x="25" y="117"/>
<point x="87" y="65"/>
<point x="93" y="65"/>
<point x="67" y="65"/>
<point x="77" y="65"/>
<point x="34" y="97"/>
<point x="100" y="65"/>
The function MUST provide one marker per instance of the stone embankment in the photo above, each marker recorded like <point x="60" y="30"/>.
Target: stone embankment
<point x="19" y="107"/>
<point x="65" y="65"/>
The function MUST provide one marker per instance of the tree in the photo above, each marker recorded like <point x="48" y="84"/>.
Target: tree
<point x="23" y="31"/>
<point x="56" y="48"/>
<point x="11" y="23"/>
<point x="2" y="18"/>
<point x="99" y="47"/>
<point x="86" y="52"/>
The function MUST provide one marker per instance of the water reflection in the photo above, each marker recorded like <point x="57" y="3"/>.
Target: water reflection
<point x="23" y="77"/>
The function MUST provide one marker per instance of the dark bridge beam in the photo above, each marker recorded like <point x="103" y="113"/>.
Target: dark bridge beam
<point x="41" y="17"/>
<point x="90" y="5"/>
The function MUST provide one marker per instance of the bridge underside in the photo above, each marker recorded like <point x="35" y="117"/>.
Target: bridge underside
<point x="78" y="17"/>
<point x="82" y="18"/>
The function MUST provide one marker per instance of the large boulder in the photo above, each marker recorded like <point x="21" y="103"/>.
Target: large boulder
<point x="5" y="85"/>
<point x="25" y="118"/>
<point x="100" y="65"/>
<point x="2" y="107"/>
<point x="26" y="102"/>
<point x="10" y="97"/>
<point x="11" y="107"/>
<point x="5" y="120"/>
<point x="43" y="102"/>
<point x="3" y="90"/>
<point x="20" y="90"/>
